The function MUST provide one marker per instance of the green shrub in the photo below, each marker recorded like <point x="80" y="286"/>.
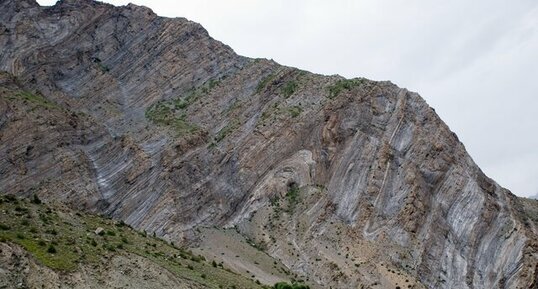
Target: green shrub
<point x="36" y="200"/>
<point x="51" y="249"/>
<point x="52" y="232"/>
<point x="21" y="210"/>
<point x="11" y="199"/>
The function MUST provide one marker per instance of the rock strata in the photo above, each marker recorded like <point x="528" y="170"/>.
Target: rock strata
<point x="149" y="120"/>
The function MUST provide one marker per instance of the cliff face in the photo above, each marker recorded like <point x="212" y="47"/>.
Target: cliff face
<point x="149" y="120"/>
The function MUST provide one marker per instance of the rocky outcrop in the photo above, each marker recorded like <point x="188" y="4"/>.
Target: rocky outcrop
<point x="150" y="120"/>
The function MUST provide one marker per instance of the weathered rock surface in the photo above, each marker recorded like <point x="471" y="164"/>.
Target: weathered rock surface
<point x="150" y="120"/>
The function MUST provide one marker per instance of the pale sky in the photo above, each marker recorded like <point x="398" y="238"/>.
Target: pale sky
<point x="475" y="62"/>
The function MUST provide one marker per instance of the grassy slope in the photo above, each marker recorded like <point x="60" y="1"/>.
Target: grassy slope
<point x="40" y="227"/>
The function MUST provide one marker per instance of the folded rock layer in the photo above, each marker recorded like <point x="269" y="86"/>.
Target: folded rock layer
<point x="117" y="111"/>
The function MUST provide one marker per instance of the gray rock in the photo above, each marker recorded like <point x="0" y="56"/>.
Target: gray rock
<point x="151" y="121"/>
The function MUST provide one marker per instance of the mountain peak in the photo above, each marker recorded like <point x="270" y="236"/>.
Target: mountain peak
<point x="150" y="121"/>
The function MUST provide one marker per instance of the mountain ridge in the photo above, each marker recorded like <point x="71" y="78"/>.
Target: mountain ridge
<point x="170" y="130"/>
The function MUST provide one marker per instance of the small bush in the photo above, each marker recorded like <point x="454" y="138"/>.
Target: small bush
<point x="20" y="209"/>
<point x="52" y="232"/>
<point x="51" y="249"/>
<point x="11" y="199"/>
<point x="36" y="200"/>
<point x="4" y="227"/>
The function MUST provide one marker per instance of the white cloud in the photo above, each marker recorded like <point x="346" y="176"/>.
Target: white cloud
<point x="475" y="62"/>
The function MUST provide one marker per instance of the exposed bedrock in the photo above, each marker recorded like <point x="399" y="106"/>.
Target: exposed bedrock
<point x="149" y="120"/>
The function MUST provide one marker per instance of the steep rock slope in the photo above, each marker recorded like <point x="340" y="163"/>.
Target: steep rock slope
<point x="151" y="121"/>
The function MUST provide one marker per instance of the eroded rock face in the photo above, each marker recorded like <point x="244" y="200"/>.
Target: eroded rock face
<point x="149" y="120"/>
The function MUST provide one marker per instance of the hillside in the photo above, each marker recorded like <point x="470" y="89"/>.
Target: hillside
<point x="342" y="182"/>
<point x="50" y="246"/>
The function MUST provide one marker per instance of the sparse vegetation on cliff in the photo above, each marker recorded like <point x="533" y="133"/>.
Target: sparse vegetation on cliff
<point x="62" y="240"/>
<point x="344" y="84"/>
<point x="172" y="113"/>
<point x="284" y="285"/>
<point x="289" y="88"/>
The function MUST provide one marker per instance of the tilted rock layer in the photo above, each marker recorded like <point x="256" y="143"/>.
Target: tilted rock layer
<point x="151" y="121"/>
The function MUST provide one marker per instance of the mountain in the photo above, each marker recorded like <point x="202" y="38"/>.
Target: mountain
<point x="345" y="182"/>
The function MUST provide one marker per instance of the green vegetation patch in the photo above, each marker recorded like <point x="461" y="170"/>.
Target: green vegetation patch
<point x="62" y="240"/>
<point x="289" y="88"/>
<point x="227" y="130"/>
<point x="164" y="114"/>
<point x="293" y="196"/>
<point x="295" y="111"/>
<point x="264" y="82"/>
<point x="35" y="99"/>
<point x="284" y="285"/>
<point x="173" y="113"/>
<point x="344" y="84"/>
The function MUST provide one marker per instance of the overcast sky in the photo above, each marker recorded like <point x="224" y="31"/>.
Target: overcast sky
<point x="475" y="62"/>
